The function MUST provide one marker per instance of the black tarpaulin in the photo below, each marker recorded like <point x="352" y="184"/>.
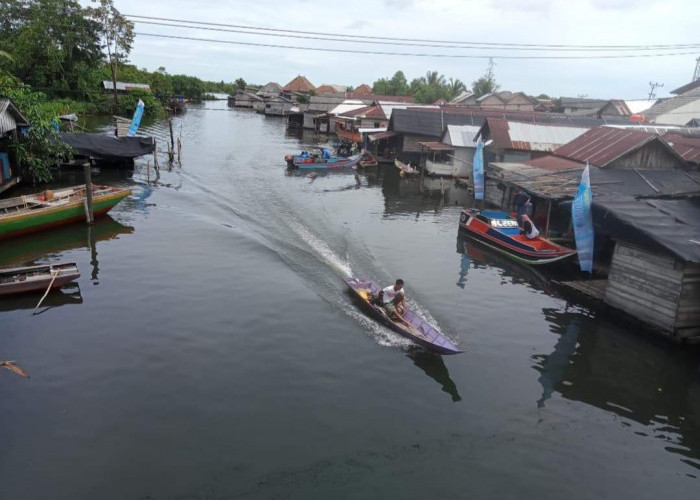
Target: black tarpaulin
<point x="663" y="224"/>
<point x="109" y="147"/>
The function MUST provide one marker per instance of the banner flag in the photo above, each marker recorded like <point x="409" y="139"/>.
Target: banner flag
<point x="583" y="222"/>
<point x="479" y="170"/>
<point x="136" y="120"/>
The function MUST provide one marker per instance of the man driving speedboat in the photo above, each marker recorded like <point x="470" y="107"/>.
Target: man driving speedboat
<point x="393" y="300"/>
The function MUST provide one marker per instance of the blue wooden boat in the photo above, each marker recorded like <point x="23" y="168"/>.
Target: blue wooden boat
<point x="499" y="231"/>
<point x="421" y="332"/>
<point x="323" y="161"/>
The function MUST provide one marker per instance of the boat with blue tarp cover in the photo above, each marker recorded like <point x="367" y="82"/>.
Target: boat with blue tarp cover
<point x="323" y="161"/>
<point x="421" y="332"/>
<point x="499" y="231"/>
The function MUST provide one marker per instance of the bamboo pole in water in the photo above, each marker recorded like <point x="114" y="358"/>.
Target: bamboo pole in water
<point x="54" y="275"/>
<point x="89" y="215"/>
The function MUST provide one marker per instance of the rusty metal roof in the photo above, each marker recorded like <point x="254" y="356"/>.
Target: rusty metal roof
<point x="686" y="145"/>
<point x="522" y="136"/>
<point x="370" y="112"/>
<point x="603" y="145"/>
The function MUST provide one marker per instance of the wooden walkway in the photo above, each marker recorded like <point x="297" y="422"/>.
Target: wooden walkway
<point x="592" y="288"/>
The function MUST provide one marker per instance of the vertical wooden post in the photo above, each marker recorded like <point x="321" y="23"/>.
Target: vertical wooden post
<point x="89" y="215"/>
<point x="549" y="211"/>
<point x="172" y="139"/>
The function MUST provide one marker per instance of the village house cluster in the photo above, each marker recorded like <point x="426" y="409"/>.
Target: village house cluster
<point x="644" y="158"/>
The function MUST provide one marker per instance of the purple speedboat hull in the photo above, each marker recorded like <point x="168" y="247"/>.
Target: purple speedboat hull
<point x="421" y="332"/>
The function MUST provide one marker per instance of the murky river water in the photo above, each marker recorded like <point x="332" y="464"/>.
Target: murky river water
<point x="210" y="349"/>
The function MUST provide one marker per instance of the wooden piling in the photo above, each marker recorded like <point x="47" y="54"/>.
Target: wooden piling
<point x="89" y="214"/>
<point x="172" y="139"/>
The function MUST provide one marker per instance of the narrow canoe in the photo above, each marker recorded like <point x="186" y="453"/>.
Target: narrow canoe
<point x="499" y="231"/>
<point x="36" y="278"/>
<point x="36" y="212"/>
<point x="421" y="332"/>
<point x="406" y="169"/>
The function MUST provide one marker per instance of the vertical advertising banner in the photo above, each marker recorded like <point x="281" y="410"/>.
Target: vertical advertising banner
<point x="136" y="120"/>
<point x="479" y="170"/>
<point x="583" y="222"/>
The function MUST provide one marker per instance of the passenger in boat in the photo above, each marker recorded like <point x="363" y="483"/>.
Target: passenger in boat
<point x="522" y="205"/>
<point x="529" y="229"/>
<point x="393" y="300"/>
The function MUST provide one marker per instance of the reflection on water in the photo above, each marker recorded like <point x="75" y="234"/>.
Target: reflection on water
<point x="434" y="367"/>
<point x="643" y="379"/>
<point x="32" y="248"/>
<point x="68" y="294"/>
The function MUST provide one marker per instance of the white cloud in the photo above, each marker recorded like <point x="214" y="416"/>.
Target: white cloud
<point x="580" y="22"/>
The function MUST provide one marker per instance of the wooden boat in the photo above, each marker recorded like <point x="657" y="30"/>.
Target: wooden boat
<point x="314" y="162"/>
<point x="368" y="160"/>
<point x="178" y="103"/>
<point x="421" y="332"/>
<point x="36" y="212"/>
<point x="405" y="169"/>
<point x="36" y="278"/>
<point x="499" y="231"/>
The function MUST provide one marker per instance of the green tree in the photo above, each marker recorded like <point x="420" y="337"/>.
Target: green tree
<point x="487" y="83"/>
<point x="116" y="34"/>
<point x="41" y="147"/>
<point x="240" y="84"/>
<point x="454" y="88"/>
<point x="396" y="85"/>
<point x="52" y="42"/>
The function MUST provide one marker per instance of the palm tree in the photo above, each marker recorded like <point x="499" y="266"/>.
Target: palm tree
<point x="434" y="78"/>
<point x="455" y="87"/>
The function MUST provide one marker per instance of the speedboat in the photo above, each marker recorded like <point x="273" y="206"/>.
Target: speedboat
<point x="499" y="231"/>
<point x="420" y="331"/>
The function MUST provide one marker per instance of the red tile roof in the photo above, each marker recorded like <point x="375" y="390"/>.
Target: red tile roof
<point x="363" y="89"/>
<point x="603" y="145"/>
<point x="325" y="89"/>
<point x="688" y="146"/>
<point x="299" y="84"/>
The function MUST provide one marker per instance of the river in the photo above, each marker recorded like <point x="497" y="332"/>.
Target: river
<point x="210" y="350"/>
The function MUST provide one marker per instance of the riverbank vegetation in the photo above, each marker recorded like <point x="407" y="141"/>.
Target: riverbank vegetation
<point x="55" y="56"/>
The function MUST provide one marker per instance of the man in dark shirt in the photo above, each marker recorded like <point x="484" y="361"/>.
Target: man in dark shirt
<point x="519" y="202"/>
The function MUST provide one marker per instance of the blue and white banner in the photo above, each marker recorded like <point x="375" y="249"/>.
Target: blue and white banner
<point x="136" y="120"/>
<point x="479" y="170"/>
<point x="583" y="221"/>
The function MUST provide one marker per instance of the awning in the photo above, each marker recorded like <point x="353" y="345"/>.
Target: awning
<point x="381" y="135"/>
<point x="437" y="146"/>
<point x="108" y="146"/>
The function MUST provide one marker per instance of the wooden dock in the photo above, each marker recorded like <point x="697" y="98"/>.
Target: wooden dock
<point x="593" y="288"/>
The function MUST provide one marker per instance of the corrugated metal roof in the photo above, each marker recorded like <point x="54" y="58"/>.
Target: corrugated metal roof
<point x="563" y="184"/>
<point x="347" y="105"/>
<point x="530" y="137"/>
<point x="461" y="136"/>
<point x="10" y="116"/>
<point x="603" y="145"/>
<point x="688" y="146"/>
<point x="369" y="112"/>
<point x="432" y="122"/>
<point x="670" y="110"/>
<point x="125" y="86"/>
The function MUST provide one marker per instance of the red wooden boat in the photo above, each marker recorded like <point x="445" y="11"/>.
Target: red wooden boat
<point x="499" y="231"/>
<point x="37" y="278"/>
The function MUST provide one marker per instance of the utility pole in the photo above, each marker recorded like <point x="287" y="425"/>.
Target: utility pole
<point x="653" y="87"/>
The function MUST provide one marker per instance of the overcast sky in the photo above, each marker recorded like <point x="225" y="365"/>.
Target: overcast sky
<point x="569" y="22"/>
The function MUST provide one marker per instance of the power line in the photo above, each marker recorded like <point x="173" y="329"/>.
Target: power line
<point x="460" y="45"/>
<point x="420" y="40"/>
<point x="411" y="54"/>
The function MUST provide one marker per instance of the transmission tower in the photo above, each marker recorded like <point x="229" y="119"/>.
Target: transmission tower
<point x="696" y="75"/>
<point x="653" y="87"/>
